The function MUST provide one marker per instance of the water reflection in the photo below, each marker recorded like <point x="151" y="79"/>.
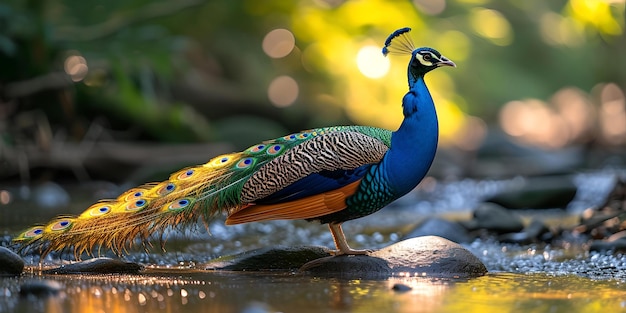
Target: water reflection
<point x="186" y="291"/>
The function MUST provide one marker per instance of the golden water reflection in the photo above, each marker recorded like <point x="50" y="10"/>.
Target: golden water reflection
<point x="184" y="291"/>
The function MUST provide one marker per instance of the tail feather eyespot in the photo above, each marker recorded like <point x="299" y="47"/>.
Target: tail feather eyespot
<point x="131" y="194"/>
<point x="96" y="210"/>
<point x="59" y="225"/>
<point x="222" y="160"/>
<point x="291" y="137"/>
<point x="275" y="149"/>
<point x="245" y="163"/>
<point x="179" y="204"/>
<point x="137" y="205"/>
<point x="257" y="148"/>
<point x="165" y="188"/>
<point x="31" y="234"/>
<point x="185" y="174"/>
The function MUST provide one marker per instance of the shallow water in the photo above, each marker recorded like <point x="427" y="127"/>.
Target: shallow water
<point x="522" y="278"/>
<point x="176" y="290"/>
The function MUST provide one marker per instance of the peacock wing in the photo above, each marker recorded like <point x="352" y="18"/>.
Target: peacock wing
<point x="310" y="180"/>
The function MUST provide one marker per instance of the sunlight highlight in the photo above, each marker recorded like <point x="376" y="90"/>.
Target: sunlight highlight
<point x="371" y="62"/>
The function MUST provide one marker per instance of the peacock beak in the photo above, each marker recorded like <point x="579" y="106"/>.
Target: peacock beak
<point x="445" y="62"/>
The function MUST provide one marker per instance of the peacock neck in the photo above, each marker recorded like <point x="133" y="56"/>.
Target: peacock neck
<point x="414" y="144"/>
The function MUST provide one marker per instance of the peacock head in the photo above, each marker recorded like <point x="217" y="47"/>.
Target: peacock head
<point x="423" y="60"/>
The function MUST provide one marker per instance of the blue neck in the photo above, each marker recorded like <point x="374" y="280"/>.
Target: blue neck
<point x="414" y="144"/>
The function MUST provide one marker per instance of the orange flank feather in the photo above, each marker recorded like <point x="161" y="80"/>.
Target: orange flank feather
<point x="305" y="208"/>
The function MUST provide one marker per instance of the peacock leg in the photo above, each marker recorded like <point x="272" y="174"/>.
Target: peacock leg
<point x="340" y="241"/>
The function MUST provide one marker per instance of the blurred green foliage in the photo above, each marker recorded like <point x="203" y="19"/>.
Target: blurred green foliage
<point x="195" y="70"/>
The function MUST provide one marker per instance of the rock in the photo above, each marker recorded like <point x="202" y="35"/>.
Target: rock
<point x="10" y="262"/>
<point x="429" y="256"/>
<point x="618" y="245"/>
<point x="494" y="218"/>
<point x="97" y="266"/>
<point x="269" y="258"/>
<point x="532" y="233"/>
<point x="401" y="288"/>
<point x="501" y="156"/>
<point x="37" y="287"/>
<point x="545" y="192"/>
<point x="442" y="228"/>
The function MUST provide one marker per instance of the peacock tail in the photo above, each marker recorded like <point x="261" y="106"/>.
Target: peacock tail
<point x="229" y="183"/>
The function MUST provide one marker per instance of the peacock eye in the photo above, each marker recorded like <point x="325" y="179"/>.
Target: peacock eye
<point x="427" y="57"/>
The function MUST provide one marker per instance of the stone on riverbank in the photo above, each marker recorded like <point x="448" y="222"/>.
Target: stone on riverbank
<point x="40" y="288"/>
<point x="10" y="262"/>
<point x="429" y="256"/>
<point x="494" y="218"/>
<point x="270" y="258"/>
<point x="97" y="266"/>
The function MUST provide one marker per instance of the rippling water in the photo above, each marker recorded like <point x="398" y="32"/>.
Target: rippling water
<point x="522" y="278"/>
<point x="176" y="290"/>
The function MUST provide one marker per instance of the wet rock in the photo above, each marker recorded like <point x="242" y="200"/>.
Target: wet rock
<point x="6" y="240"/>
<point x="40" y="288"/>
<point x="607" y="219"/>
<point x="494" y="218"/>
<point x="270" y="258"/>
<point x="534" y="232"/>
<point x="10" y="262"/>
<point x="618" y="245"/>
<point x="544" y="192"/>
<point x="430" y="256"/>
<point x="401" y="288"/>
<point x="97" y="266"/>
<point x="442" y="228"/>
<point x="500" y="156"/>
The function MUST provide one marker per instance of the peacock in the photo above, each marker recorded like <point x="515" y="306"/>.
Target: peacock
<point x="331" y="175"/>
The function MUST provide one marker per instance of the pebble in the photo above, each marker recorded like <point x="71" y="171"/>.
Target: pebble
<point x="401" y="288"/>
<point x="543" y="192"/>
<point x="536" y="231"/>
<point x="10" y="262"/>
<point x="40" y="288"/>
<point x="269" y="258"/>
<point x="494" y="218"/>
<point x="97" y="266"/>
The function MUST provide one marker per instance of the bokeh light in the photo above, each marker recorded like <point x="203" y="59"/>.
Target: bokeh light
<point x="283" y="91"/>
<point x="278" y="43"/>
<point x="531" y="121"/>
<point x="5" y="197"/>
<point x="472" y="134"/>
<point x="607" y="17"/>
<point x="371" y="62"/>
<point x="492" y="25"/>
<point x="569" y="118"/>
<point x="560" y="30"/>
<point x="75" y="65"/>
<point x="430" y="7"/>
<point x="613" y="114"/>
